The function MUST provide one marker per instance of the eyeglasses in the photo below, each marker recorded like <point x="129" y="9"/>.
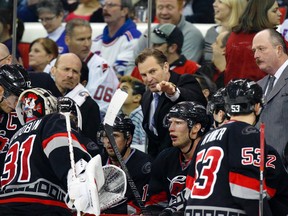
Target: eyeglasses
<point x="160" y="33"/>
<point x="110" y="5"/>
<point x="46" y="19"/>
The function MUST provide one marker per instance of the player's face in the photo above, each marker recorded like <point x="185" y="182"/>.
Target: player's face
<point x="168" y="11"/>
<point x="265" y="54"/>
<point x="222" y="11"/>
<point x="153" y="73"/>
<point x="9" y="101"/>
<point x="274" y="14"/>
<point x="120" y="140"/>
<point x="80" y="41"/>
<point x="179" y="133"/>
<point x="67" y="73"/>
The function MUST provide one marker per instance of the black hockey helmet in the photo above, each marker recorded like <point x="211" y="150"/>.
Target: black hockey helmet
<point x="35" y="103"/>
<point x="216" y="102"/>
<point x="192" y="112"/>
<point x="14" y="78"/>
<point x="66" y="104"/>
<point x="241" y="95"/>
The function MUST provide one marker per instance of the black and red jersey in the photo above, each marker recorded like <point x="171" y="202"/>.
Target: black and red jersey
<point x="9" y="124"/>
<point x="224" y="173"/>
<point x="168" y="178"/>
<point x="34" y="178"/>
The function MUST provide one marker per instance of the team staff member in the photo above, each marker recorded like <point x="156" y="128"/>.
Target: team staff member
<point x="167" y="88"/>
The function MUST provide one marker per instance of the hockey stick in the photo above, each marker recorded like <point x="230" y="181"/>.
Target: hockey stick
<point x="262" y="162"/>
<point x="115" y="105"/>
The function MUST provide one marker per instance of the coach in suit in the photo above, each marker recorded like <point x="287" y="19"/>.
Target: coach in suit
<point x="164" y="89"/>
<point x="271" y="56"/>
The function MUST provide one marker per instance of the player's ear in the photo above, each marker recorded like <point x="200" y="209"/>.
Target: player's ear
<point x="258" y="108"/>
<point x="194" y="131"/>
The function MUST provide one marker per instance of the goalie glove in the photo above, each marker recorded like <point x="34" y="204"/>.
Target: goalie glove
<point x="83" y="189"/>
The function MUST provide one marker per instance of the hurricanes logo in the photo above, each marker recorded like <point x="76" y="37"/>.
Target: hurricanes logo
<point x="177" y="184"/>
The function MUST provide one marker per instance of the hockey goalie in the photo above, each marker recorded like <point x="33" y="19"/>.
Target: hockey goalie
<point x="47" y="170"/>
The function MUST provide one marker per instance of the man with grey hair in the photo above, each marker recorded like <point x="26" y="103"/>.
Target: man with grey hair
<point x="119" y="38"/>
<point x="51" y="13"/>
<point x="102" y="79"/>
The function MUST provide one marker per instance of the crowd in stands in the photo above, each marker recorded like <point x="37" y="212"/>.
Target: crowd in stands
<point x="185" y="90"/>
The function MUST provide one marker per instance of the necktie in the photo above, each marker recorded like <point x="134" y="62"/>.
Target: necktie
<point x="270" y="85"/>
<point x="155" y="101"/>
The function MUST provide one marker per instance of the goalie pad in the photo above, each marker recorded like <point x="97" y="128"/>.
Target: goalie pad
<point x="113" y="191"/>
<point x="83" y="190"/>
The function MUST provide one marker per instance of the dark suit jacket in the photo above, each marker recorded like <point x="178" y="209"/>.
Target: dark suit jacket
<point x="190" y="90"/>
<point x="275" y="112"/>
<point x="89" y="109"/>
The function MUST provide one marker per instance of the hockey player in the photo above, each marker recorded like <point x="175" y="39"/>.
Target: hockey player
<point x="13" y="80"/>
<point x="34" y="179"/>
<point x="216" y="108"/>
<point x="187" y="122"/>
<point x="224" y="172"/>
<point x="137" y="162"/>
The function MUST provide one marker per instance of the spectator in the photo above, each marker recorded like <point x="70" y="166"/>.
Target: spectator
<point x="119" y="37"/>
<point x="40" y="159"/>
<point x="89" y="10"/>
<point x="258" y="15"/>
<point x="207" y="85"/>
<point x="168" y="38"/>
<point x="168" y="88"/>
<point x="6" y="31"/>
<point x="42" y="51"/>
<point x="215" y="70"/>
<point x="226" y="14"/>
<point x="132" y="108"/>
<point x="5" y="56"/>
<point x="26" y="10"/>
<point x="270" y="54"/>
<point x="187" y="122"/>
<point x="198" y="11"/>
<point x="102" y="79"/>
<point x="51" y="13"/>
<point x="171" y="12"/>
<point x="137" y="162"/>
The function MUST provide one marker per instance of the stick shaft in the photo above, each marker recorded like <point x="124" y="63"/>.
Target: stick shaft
<point x="262" y="162"/>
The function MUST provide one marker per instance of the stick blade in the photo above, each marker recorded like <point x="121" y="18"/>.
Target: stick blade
<point x="115" y="105"/>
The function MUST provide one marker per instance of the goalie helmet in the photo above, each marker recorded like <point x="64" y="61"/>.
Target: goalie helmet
<point x="216" y="102"/>
<point x="241" y="95"/>
<point x="35" y="103"/>
<point x="14" y="78"/>
<point x="191" y="112"/>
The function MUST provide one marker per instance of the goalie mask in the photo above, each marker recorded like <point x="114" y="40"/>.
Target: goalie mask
<point x="241" y="95"/>
<point x="35" y="103"/>
<point x="191" y="112"/>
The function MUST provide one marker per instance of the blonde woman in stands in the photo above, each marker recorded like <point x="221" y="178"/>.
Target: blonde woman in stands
<point x="226" y="15"/>
<point x="258" y="15"/>
<point x="42" y="51"/>
<point x="89" y="10"/>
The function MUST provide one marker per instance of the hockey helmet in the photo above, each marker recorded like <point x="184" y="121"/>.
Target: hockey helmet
<point x="66" y="104"/>
<point x="35" y="103"/>
<point x="216" y="102"/>
<point x="192" y="112"/>
<point x="14" y="78"/>
<point x="241" y="95"/>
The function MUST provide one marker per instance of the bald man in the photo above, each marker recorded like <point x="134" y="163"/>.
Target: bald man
<point x="66" y="73"/>
<point x="5" y="57"/>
